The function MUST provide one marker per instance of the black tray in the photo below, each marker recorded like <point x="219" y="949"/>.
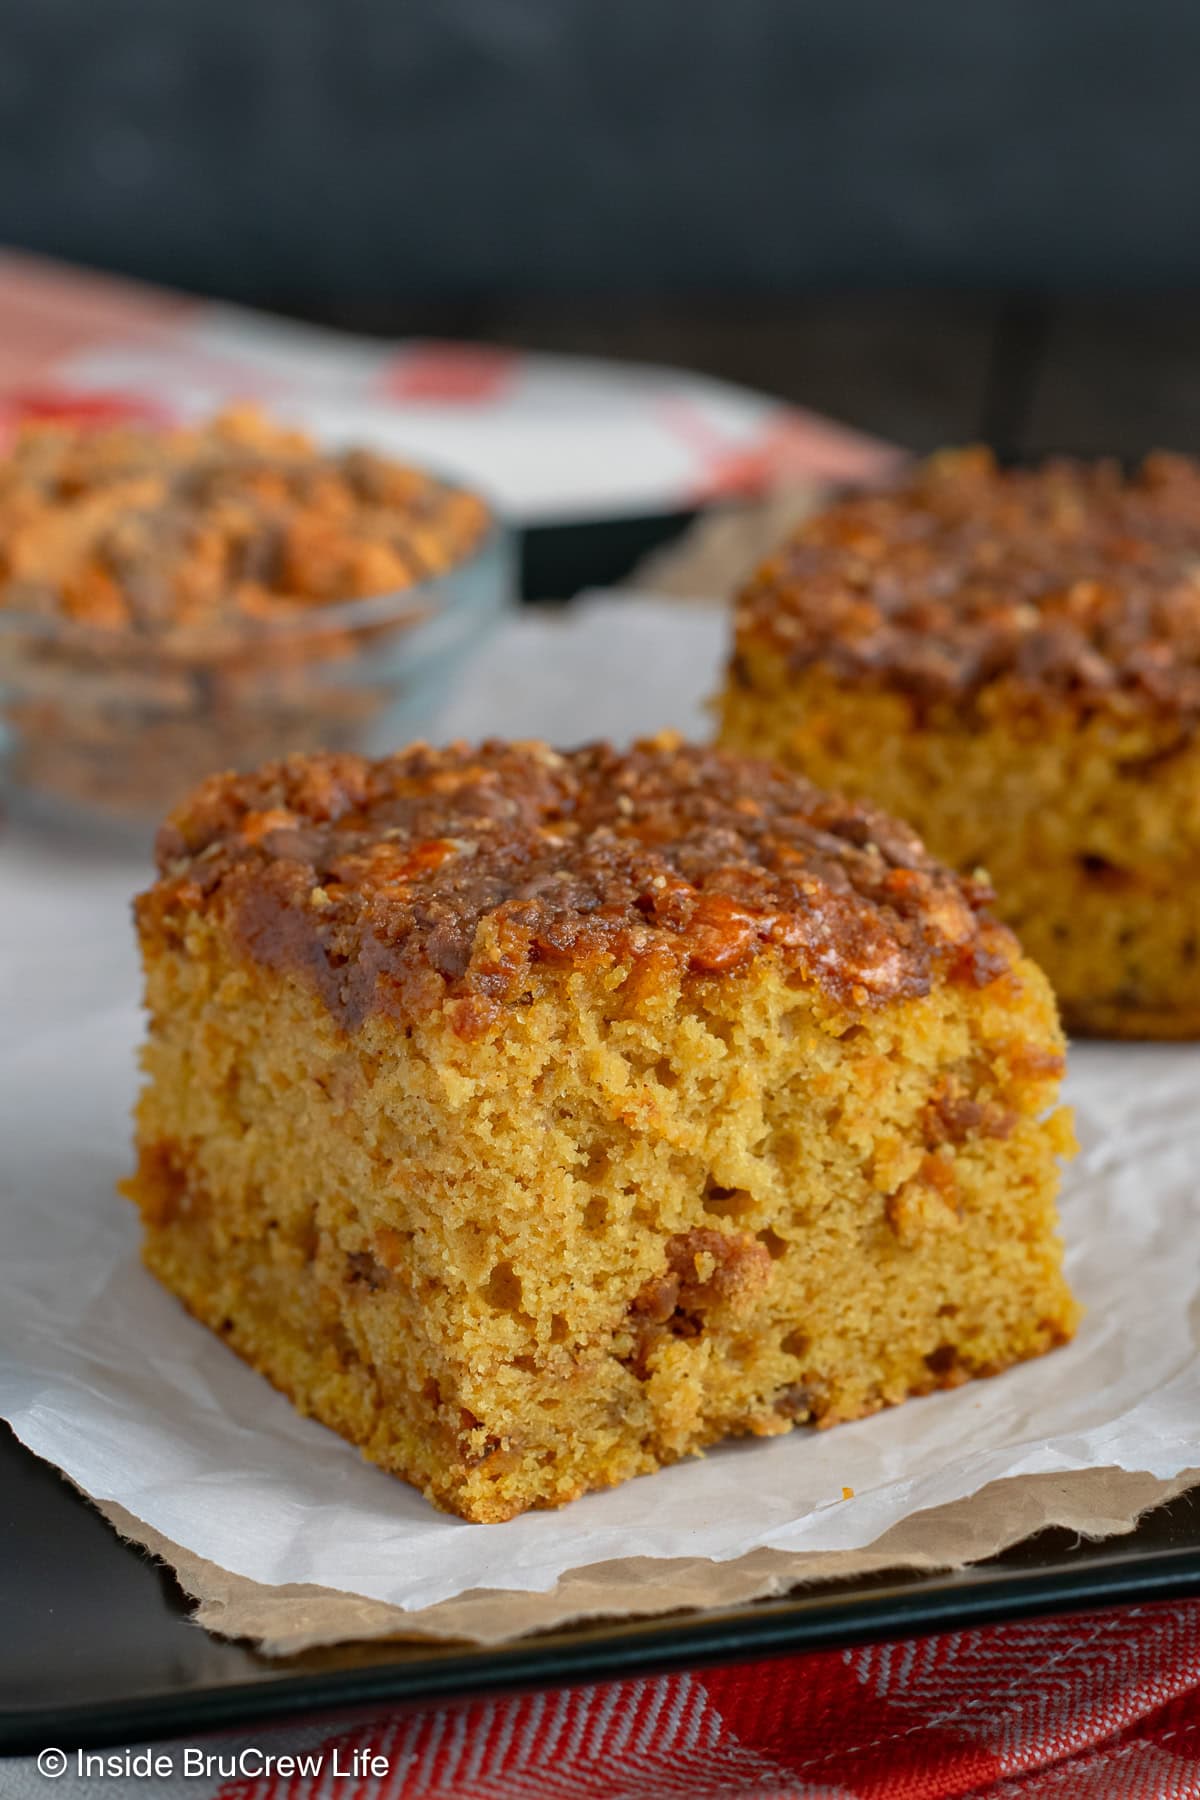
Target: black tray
<point x="557" y="561"/>
<point x="96" y="1647"/>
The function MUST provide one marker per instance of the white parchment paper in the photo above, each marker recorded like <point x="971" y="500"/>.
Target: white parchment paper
<point x="102" y="1373"/>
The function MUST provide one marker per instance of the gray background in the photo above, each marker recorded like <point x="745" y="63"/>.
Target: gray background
<point x="311" y="153"/>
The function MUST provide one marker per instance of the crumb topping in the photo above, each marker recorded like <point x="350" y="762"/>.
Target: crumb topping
<point x="449" y="874"/>
<point x="1072" y="581"/>
<point x="159" y="533"/>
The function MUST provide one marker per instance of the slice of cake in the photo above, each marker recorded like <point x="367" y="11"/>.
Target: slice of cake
<point x="1011" y="662"/>
<point x="535" y="1120"/>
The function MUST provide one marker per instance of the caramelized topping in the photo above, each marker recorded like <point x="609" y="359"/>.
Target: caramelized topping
<point x="171" y="532"/>
<point x="1070" y="581"/>
<point x="447" y="876"/>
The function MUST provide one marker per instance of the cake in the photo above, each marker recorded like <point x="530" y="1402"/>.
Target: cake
<point x="1010" y="661"/>
<point x="179" y="599"/>
<point x="537" y="1119"/>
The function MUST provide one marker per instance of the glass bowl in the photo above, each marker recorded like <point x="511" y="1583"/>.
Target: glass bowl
<point x="113" y="727"/>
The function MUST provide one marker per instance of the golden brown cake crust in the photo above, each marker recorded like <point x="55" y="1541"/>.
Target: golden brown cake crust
<point x="1074" y="583"/>
<point x="398" y="883"/>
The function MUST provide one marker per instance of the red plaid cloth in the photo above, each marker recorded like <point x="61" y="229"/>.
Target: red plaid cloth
<point x="1104" y="1707"/>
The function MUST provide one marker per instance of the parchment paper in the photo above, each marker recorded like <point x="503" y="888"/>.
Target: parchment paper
<point x="101" y="1372"/>
<point x="294" y="1617"/>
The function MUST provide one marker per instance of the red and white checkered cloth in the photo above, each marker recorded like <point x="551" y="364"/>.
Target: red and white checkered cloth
<point x="551" y="438"/>
<point x="1103" y="1707"/>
